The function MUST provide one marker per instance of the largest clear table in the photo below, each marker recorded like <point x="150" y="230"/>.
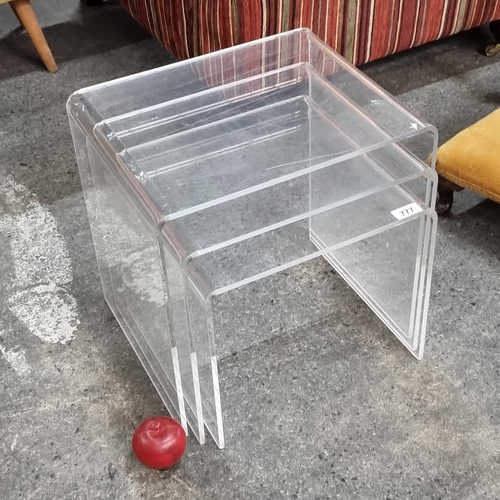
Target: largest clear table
<point x="206" y="175"/>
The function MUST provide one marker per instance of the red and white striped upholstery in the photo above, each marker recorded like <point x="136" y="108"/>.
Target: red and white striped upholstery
<point x="361" y="30"/>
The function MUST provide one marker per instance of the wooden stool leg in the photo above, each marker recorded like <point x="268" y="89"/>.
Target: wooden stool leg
<point x="446" y="189"/>
<point x="494" y="48"/>
<point x="495" y="29"/>
<point x="27" y="17"/>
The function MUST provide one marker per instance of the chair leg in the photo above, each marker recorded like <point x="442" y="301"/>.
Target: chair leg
<point x="27" y="17"/>
<point x="446" y="189"/>
<point x="495" y="29"/>
<point x="494" y="48"/>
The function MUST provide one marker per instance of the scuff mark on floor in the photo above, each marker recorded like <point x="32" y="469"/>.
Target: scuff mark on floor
<point x="48" y="312"/>
<point x="17" y="360"/>
<point x="39" y="295"/>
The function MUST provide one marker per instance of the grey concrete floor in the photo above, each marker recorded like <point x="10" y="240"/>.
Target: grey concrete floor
<point x="334" y="408"/>
<point x="49" y="13"/>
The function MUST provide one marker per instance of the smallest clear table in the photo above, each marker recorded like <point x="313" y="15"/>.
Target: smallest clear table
<point x="206" y="175"/>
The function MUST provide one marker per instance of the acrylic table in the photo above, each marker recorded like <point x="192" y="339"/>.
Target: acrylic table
<point x="206" y="175"/>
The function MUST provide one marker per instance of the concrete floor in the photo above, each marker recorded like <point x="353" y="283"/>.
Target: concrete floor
<point x="48" y="14"/>
<point x="333" y="409"/>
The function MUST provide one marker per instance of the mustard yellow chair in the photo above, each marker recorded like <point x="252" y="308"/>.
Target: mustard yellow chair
<point x="470" y="160"/>
<point x="27" y="17"/>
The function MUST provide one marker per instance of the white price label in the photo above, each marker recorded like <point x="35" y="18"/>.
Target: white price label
<point x="406" y="211"/>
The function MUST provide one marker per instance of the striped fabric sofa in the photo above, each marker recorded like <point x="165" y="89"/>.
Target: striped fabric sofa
<point x="360" y="30"/>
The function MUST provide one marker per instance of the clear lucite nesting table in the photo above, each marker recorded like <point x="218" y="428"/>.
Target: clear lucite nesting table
<point x="209" y="174"/>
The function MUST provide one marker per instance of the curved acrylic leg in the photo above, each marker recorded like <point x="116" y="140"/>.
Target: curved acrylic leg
<point x="202" y="335"/>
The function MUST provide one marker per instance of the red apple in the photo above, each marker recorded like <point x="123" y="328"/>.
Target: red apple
<point x="159" y="442"/>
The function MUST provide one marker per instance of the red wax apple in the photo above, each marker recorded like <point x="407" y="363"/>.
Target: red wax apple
<point x="159" y="442"/>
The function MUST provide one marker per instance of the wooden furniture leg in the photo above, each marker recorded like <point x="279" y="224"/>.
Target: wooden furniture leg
<point x="446" y="189"/>
<point x="27" y="17"/>
<point x="495" y="29"/>
<point x="494" y="48"/>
